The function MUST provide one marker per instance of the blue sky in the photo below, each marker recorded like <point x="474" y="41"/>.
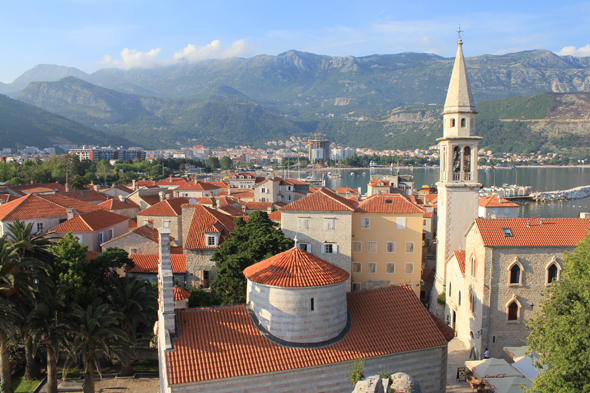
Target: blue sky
<point x="92" y="34"/>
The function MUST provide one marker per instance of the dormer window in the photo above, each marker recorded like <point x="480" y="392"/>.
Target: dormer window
<point x="241" y="177"/>
<point x="211" y="240"/>
<point x="233" y="177"/>
<point x="507" y="232"/>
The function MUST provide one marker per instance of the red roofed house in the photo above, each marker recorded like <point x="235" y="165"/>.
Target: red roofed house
<point x="197" y="189"/>
<point x="121" y="205"/>
<point x="44" y="211"/>
<point x="142" y="240"/>
<point x="171" y="183"/>
<point x="146" y="266"/>
<point x="298" y="332"/>
<point x="94" y="228"/>
<point x="494" y="285"/>
<point x="492" y="206"/>
<point x="242" y="180"/>
<point x="322" y="223"/>
<point x="169" y="210"/>
<point x="204" y="229"/>
<point x="146" y="197"/>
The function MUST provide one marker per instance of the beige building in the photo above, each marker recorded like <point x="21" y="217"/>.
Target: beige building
<point x="322" y="224"/>
<point x="494" y="285"/>
<point x="166" y="210"/>
<point x="143" y="240"/>
<point x="242" y="180"/>
<point x="280" y="190"/>
<point x="386" y="243"/>
<point x="492" y="206"/>
<point x="197" y="189"/>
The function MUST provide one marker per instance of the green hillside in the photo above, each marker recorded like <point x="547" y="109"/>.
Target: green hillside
<point x="26" y="125"/>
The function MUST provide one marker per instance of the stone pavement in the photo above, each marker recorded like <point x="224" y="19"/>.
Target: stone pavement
<point x="111" y="385"/>
<point x="457" y="356"/>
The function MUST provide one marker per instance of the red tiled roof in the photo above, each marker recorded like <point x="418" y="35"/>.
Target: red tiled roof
<point x="25" y="188"/>
<point x="180" y="293"/>
<point x="148" y="263"/>
<point x="275" y="215"/>
<point x="197" y="186"/>
<point x="430" y="198"/>
<point x="222" y="342"/>
<point x="295" y="181"/>
<point x="428" y="214"/>
<point x="379" y="204"/>
<point x="144" y="231"/>
<point x="86" y="195"/>
<point x="205" y="220"/>
<point x="226" y="200"/>
<point x="142" y="183"/>
<point x="168" y="207"/>
<point x="117" y="204"/>
<point x="379" y="183"/>
<point x="494" y="201"/>
<point x="322" y="200"/>
<point x="132" y="223"/>
<point x="427" y="276"/>
<point x="7" y="198"/>
<point x="295" y="268"/>
<point x="258" y="205"/>
<point x="446" y="330"/>
<point x="343" y="190"/>
<point x="171" y="181"/>
<point x="233" y="211"/>
<point x="150" y="199"/>
<point x="220" y="184"/>
<point x="237" y="175"/>
<point x="460" y="255"/>
<point x="124" y="188"/>
<point x="36" y="206"/>
<point x="238" y="194"/>
<point x="550" y="233"/>
<point x="90" y="222"/>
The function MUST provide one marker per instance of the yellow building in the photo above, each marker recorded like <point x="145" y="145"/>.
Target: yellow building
<point x="386" y="243"/>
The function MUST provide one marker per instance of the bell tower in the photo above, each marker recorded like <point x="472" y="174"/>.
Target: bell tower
<point x="458" y="187"/>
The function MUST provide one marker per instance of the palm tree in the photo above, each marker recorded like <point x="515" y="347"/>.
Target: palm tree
<point x="95" y="330"/>
<point x="47" y="326"/>
<point x="137" y="301"/>
<point x="15" y="285"/>
<point x="30" y="245"/>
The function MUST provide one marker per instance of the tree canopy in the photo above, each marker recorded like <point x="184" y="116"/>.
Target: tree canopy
<point x="251" y="242"/>
<point x="560" y="330"/>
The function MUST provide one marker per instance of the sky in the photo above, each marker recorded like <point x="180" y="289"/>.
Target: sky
<point x="93" y="34"/>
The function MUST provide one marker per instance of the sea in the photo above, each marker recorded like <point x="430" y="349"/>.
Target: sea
<point x="539" y="178"/>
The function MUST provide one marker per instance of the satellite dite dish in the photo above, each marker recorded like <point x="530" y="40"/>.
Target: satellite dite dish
<point x="192" y="201"/>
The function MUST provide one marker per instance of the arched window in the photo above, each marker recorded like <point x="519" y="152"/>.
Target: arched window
<point x="450" y="289"/>
<point x="513" y="311"/>
<point x="463" y="122"/>
<point x="467" y="159"/>
<point x="473" y="266"/>
<point x="456" y="159"/>
<point x="452" y="122"/>
<point x="515" y="274"/>
<point x="551" y="273"/>
<point x="471" y="301"/>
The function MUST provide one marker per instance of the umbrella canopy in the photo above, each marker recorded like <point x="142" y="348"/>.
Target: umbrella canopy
<point x="508" y="385"/>
<point x="516" y="353"/>
<point x="525" y="366"/>
<point x="492" y="368"/>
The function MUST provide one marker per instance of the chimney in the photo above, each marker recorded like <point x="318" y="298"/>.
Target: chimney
<point x="167" y="196"/>
<point x="166" y="324"/>
<point x="170" y="179"/>
<point x="161" y="194"/>
<point x="228" y="189"/>
<point x="67" y="187"/>
<point x="134" y="186"/>
<point x="96" y="188"/>
<point x="122" y="198"/>
<point x="70" y="212"/>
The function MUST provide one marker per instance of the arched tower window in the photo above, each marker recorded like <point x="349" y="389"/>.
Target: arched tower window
<point x="456" y="159"/>
<point x="551" y="273"/>
<point x="463" y="122"/>
<point x="513" y="312"/>
<point x="452" y="122"/>
<point x="467" y="160"/>
<point x="515" y="274"/>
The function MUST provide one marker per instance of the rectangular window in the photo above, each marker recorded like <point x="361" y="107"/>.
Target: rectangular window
<point x="304" y="223"/>
<point x="111" y="233"/>
<point x="133" y="251"/>
<point x="390" y="247"/>
<point x="288" y="197"/>
<point x="372" y="267"/>
<point x="401" y="223"/>
<point x="390" y="267"/>
<point x="39" y="226"/>
<point x="356" y="267"/>
<point x="329" y="224"/>
<point x="409" y="247"/>
<point x="409" y="267"/>
<point x="211" y="240"/>
<point x="329" y="249"/>
<point x="305" y="247"/>
<point x="365" y="222"/>
<point x="312" y="305"/>
<point x="357" y="246"/>
<point x="100" y="238"/>
<point x="356" y="286"/>
<point x="371" y="246"/>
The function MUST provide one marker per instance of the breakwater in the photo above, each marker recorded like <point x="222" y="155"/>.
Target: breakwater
<point x="574" y="193"/>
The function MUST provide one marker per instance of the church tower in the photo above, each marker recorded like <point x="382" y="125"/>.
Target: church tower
<point x="458" y="187"/>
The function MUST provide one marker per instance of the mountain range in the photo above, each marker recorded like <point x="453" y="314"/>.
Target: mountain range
<point x="354" y="101"/>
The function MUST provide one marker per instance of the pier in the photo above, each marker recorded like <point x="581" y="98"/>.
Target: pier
<point x="574" y="193"/>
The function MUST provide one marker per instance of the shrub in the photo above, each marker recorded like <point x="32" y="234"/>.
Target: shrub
<point x="356" y="374"/>
<point x="441" y="299"/>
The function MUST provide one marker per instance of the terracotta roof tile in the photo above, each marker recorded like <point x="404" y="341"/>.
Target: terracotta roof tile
<point x="222" y="342"/>
<point x="295" y="268"/>
<point x="197" y="186"/>
<point x="494" y="201"/>
<point x="233" y="211"/>
<point x="238" y="194"/>
<point x="36" y="206"/>
<point x="460" y="255"/>
<point x="275" y="215"/>
<point x="86" y="196"/>
<point x="551" y="232"/>
<point x="4" y="198"/>
<point x="167" y="207"/>
<point x="117" y="204"/>
<point x="142" y="183"/>
<point x="388" y="203"/>
<point x="64" y="201"/>
<point x="150" y="199"/>
<point x="90" y="222"/>
<point x="180" y="293"/>
<point x="258" y="205"/>
<point x="322" y="200"/>
<point x="202" y="222"/>
<point x="430" y="198"/>
<point x="245" y="174"/>
<point x="56" y="187"/>
<point x="124" y="188"/>
<point x="144" y="231"/>
<point x="343" y="190"/>
<point x="148" y="263"/>
<point x="446" y="330"/>
<point x="171" y="181"/>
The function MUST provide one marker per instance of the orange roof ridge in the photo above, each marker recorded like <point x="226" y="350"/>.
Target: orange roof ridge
<point x="323" y="199"/>
<point x="295" y="268"/>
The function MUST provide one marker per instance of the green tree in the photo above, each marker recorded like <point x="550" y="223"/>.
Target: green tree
<point x="96" y="330"/>
<point x="78" y="183"/>
<point x="560" y="328"/>
<point x="251" y="242"/>
<point x="69" y="272"/>
<point x="225" y="163"/>
<point x="104" y="268"/>
<point x="213" y="162"/>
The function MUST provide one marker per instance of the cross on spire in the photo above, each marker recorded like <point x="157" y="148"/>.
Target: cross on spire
<point x="459" y="31"/>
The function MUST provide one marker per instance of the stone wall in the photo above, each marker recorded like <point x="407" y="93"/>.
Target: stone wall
<point x="428" y="367"/>
<point x="133" y="240"/>
<point x="175" y="225"/>
<point x="291" y="314"/>
<point x="198" y="261"/>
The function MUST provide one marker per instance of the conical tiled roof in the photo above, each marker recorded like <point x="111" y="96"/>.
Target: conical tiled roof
<point x="180" y="293"/>
<point x="459" y="97"/>
<point x="295" y="268"/>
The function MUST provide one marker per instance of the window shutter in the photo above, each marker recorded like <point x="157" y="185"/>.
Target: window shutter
<point x="323" y="249"/>
<point x="335" y="248"/>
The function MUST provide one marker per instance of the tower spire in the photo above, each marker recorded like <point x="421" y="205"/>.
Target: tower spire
<point x="459" y="98"/>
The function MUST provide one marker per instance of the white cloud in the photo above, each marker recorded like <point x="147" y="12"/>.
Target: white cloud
<point x="132" y="58"/>
<point x="215" y="50"/>
<point x="572" y="51"/>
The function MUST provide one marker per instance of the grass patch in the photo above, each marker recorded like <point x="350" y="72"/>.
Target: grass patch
<point x="146" y="366"/>
<point x="20" y="386"/>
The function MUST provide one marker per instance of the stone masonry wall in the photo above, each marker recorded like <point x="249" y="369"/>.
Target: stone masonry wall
<point x="175" y="225"/>
<point x="132" y="240"/>
<point x="428" y="367"/>
<point x="196" y="262"/>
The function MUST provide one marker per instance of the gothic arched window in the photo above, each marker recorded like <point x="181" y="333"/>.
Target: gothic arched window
<point x="513" y="312"/>
<point x="452" y="122"/>
<point x="456" y="159"/>
<point x="463" y="122"/>
<point x="515" y="274"/>
<point x="551" y="273"/>
<point x="467" y="159"/>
